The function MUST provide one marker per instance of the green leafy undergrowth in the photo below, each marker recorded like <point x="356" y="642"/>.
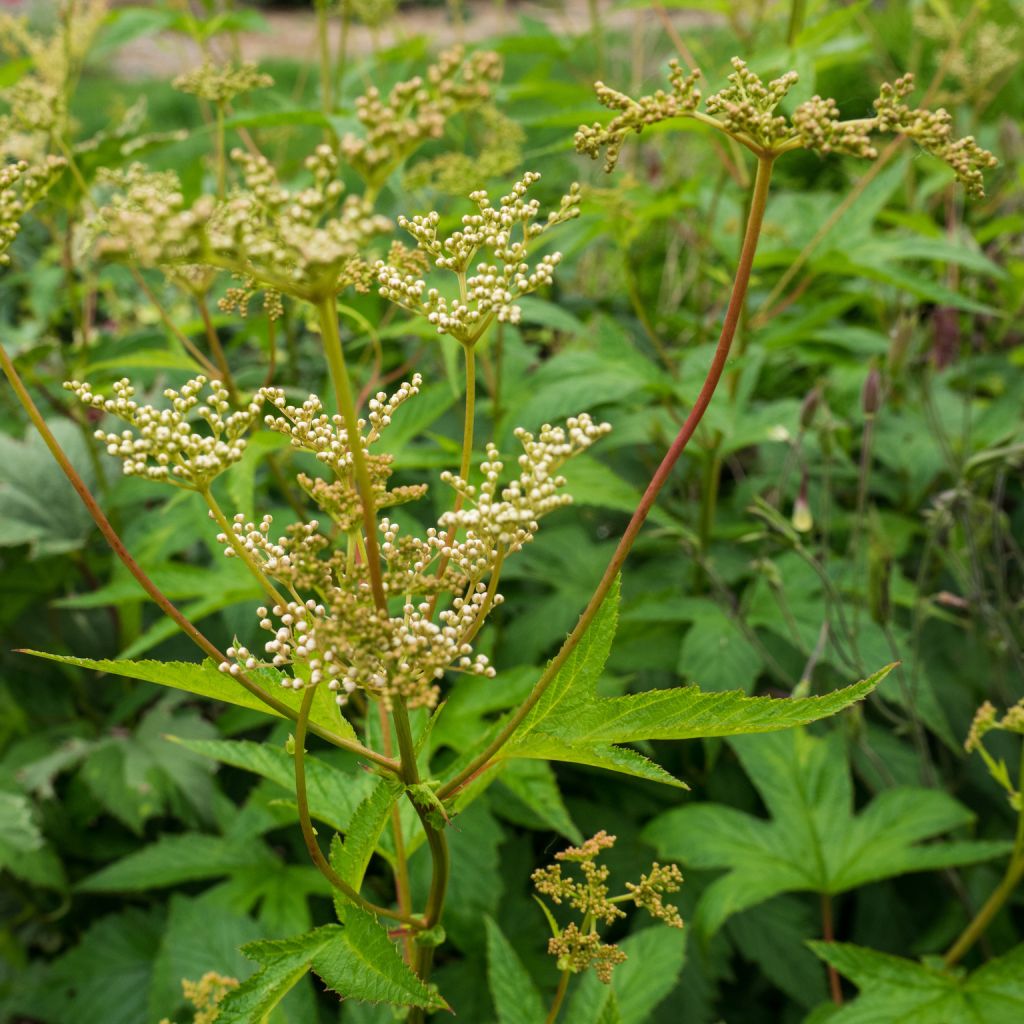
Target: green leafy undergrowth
<point x="898" y="991"/>
<point x="813" y="842"/>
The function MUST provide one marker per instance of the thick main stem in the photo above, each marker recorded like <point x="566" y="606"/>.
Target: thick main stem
<point x="755" y="219"/>
<point x="465" y="462"/>
<point x="835" y="987"/>
<point x="346" y="407"/>
<point x="157" y="595"/>
<point x="407" y="752"/>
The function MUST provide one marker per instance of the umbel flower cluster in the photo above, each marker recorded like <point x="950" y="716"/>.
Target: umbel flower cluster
<point x="987" y="720"/>
<point x="500" y="237"/>
<point x="747" y="110"/>
<point x="579" y="947"/>
<point x="324" y="623"/>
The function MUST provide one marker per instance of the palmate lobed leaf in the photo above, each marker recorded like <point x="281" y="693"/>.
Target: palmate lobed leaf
<point x="813" y="841"/>
<point x="356" y="960"/>
<point x="205" y="680"/>
<point x="898" y="991"/>
<point x="570" y="722"/>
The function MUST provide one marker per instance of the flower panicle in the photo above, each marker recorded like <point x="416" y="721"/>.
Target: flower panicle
<point x="488" y="253"/>
<point x="579" y="947"/>
<point x="220" y="84"/>
<point x="163" y="444"/>
<point x="22" y="185"/>
<point x="747" y="109"/>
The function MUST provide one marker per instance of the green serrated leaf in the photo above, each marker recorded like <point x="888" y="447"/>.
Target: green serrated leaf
<point x="813" y="841"/>
<point x="894" y="990"/>
<point x="206" y="680"/>
<point x="333" y="794"/>
<point x="571" y="722"/>
<point x="516" y="999"/>
<point x="172" y="860"/>
<point x="357" y="961"/>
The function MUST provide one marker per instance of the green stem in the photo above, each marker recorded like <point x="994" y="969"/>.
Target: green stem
<point x="216" y="349"/>
<point x="466" y="461"/>
<point x="222" y="167"/>
<point x="797" y="12"/>
<point x="438" y="845"/>
<point x="306" y="823"/>
<point x="157" y="595"/>
<point x="1014" y="873"/>
<point x="828" y="934"/>
<point x="556" y="1003"/>
<point x="346" y="406"/>
<point x="739" y="290"/>
<point x="183" y="338"/>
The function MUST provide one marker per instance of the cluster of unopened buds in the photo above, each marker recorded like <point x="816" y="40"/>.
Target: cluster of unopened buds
<point x="220" y="84"/>
<point x="747" y="110"/>
<point x="579" y="947"/>
<point x="415" y="111"/>
<point x="509" y="519"/>
<point x="21" y="185"/>
<point x="163" y="444"/>
<point x="502" y="276"/>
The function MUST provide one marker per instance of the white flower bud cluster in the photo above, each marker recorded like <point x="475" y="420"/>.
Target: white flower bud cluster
<point x="221" y="84"/>
<point x="148" y="220"/>
<point x="746" y="111"/>
<point x="36" y="105"/>
<point x="349" y="645"/>
<point x="382" y="407"/>
<point x="305" y="243"/>
<point x="303" y="240"/>
<point x="490" y="293"/>
<point x="510" y="520"/>
<point x="294" y="560"/>
<point x="164" y="444"/>
<point x="416" y="111"/>
<point x="310" y="429"/>
<point x="21" y="186"/>
<point x="747" y="106"/>
<point x="38" y="98"/>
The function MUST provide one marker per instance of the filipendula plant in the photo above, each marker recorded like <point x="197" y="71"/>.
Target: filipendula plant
<point x="366" y="622"/>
